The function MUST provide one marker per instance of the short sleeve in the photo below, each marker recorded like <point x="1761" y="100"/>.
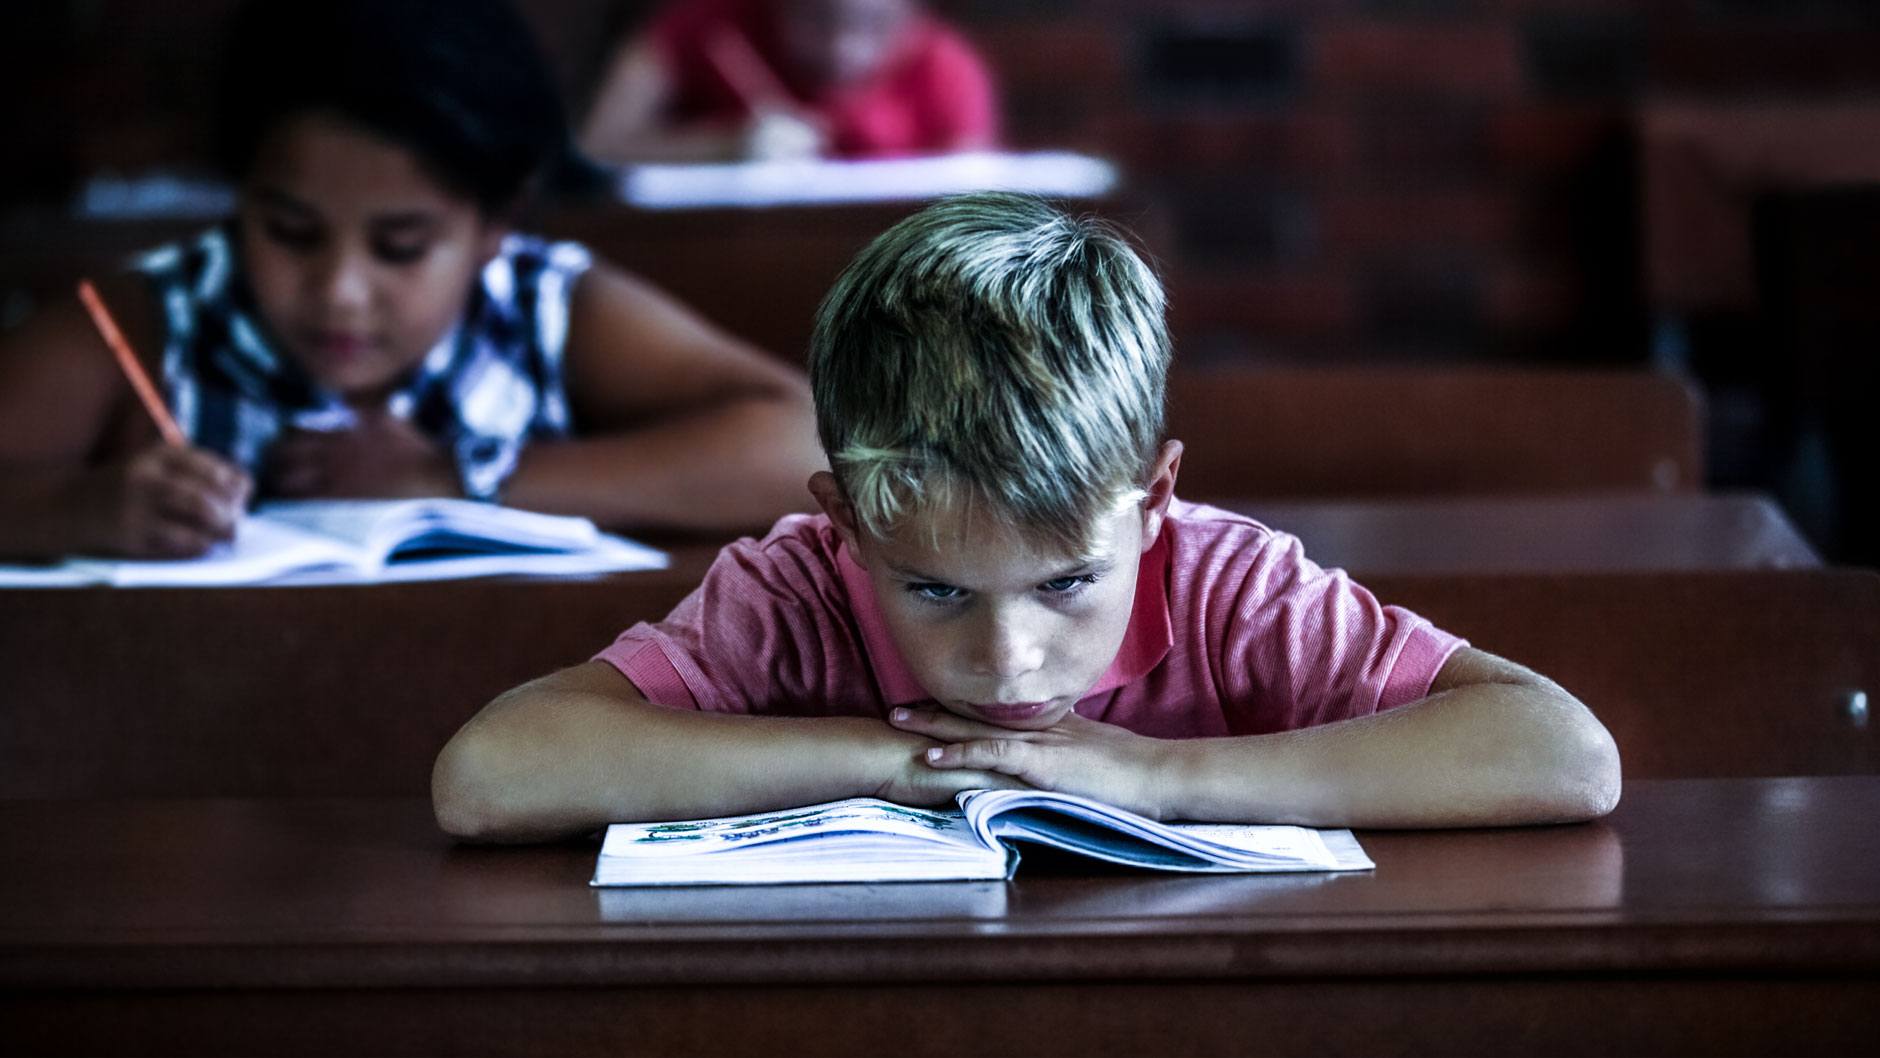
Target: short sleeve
<point x="678" y="35"/>
<point x="674" y="30"/>
<point x="766" y="631"/>
<point x="1302" y="645"/>
<point x="962" y="105"/>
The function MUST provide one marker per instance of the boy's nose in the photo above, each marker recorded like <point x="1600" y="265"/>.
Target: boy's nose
<point x="1006" y="649"/>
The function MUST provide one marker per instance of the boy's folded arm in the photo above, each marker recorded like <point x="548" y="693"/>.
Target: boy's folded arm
<point x="581" y="748"/>
<point x="1493" y="744"/>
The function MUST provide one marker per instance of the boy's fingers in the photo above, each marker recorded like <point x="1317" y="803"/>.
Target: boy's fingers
<point x="929" y="722"/>
<point x="958" y="779"/>
<point x="947" y="727"/>
<point x="1003" y="755"/>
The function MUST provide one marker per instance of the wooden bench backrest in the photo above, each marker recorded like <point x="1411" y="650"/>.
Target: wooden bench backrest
<point x="353" y="690"/>
<point x="1743" y="673"/>
<point x="1432" y="431"/>
<point x="265" y="691"/>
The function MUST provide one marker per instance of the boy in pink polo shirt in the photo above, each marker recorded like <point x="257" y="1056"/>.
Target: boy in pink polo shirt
<point x="1002" y="590"/>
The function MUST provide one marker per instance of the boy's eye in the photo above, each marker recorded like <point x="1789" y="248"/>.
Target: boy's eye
<point x="1067" y="585"/>
<point x="935" y="592"/>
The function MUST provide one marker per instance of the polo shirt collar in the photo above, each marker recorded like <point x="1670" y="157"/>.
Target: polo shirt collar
<point x="1145" y="642"/>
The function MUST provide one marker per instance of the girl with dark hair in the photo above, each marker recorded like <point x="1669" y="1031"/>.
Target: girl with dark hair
<point x="368" y="324"/>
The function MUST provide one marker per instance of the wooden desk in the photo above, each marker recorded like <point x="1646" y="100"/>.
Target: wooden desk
<point x="1372" y="432"/>
<point x="1696" y="674"/>
<point x="353" y="690"/>
<point x="1703" y="917"/>
<point x="318" y="691"/>
<point x="1601" y="532"/>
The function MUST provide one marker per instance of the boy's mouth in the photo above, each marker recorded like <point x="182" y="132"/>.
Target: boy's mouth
<point x="1010" y="713"/>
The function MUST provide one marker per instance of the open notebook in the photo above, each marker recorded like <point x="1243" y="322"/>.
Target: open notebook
<point x="368" y="541"/>
<point x="864" y="839"/>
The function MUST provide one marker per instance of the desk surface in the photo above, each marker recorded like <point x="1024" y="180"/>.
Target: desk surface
<point x="1602" y="532"/>
<point x="1728" y="916"/>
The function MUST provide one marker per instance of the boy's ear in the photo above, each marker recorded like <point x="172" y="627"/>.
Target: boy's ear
<point x="1161" y="489"/>
<point x="829" y="496"/>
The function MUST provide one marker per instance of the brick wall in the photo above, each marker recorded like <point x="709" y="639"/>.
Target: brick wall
<point x="1341" y="179"/>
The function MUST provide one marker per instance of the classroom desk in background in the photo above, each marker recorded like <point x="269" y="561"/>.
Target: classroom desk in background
<point x="1372" y="431"/>
<point x="1702" y="917"/>
<point x="302" y="690"/>
<point x="1592" y="533"/>
<point x="353" y="690"/>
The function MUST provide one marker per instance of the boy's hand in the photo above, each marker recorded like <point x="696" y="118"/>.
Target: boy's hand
<point x="166" y="501"/>
<point x="1076" y="755"/>
<point x="381" y="455"/>
<point x="915" y="782"/>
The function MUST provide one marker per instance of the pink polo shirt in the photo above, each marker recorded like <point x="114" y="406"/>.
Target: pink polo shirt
<point x="1234" y="632"/>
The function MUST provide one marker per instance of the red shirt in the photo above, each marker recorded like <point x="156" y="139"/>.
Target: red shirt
<point x="933" y="95"/>
<point x="1233" y="632"/>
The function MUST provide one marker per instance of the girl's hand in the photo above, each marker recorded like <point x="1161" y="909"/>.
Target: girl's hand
<point x="166" y="501"/>
<point x="381" y="455"/>
<point x="1077" y="755"/>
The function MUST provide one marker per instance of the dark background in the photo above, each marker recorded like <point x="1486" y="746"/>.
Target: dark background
<point x="1680" y="184"/>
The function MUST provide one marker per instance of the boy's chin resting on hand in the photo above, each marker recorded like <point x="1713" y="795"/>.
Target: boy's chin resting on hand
<point x="1073" y="755"/>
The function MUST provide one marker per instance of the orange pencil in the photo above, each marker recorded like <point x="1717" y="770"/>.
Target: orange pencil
<point x="127" y="362"/>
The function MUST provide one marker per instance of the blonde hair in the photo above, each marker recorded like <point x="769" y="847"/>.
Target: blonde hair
<point x="992" y="350"/>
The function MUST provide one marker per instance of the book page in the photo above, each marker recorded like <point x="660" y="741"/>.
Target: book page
<point x="65" y="574"/>
<point x="860" y="839"/>
<point x="698" y="837"/>
<point x="323" y="542"/>
<point x="613" y="554"/>
<point x="261" y="551"/>
<point x="383" y="528"/>
<point x="1080" y="824"/>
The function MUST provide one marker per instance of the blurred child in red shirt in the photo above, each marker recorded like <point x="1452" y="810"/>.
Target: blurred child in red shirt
<point x="726" y="79"/>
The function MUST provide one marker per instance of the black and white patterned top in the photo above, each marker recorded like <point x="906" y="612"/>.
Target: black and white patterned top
<point x="488" y="387"/>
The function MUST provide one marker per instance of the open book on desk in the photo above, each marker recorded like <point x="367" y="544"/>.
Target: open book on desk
<point x="864" y="839"/>
<point x="370" y="541"/>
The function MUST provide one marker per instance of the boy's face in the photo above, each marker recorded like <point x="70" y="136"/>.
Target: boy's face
<point x="358" y="259"/>
<point x="994" y="627"/>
